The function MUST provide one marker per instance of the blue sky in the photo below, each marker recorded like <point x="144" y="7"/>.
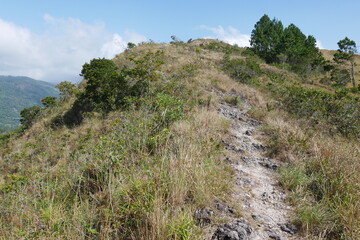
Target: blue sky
<point x="50" y="40"/>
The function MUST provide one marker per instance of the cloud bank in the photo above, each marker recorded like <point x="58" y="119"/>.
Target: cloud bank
<point x="230" y="35"/>
<point x="319" y="44"/>
<point x="59" y="52"/>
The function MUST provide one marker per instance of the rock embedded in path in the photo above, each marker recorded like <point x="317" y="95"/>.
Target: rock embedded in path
<point x="261" y="218"/>
<point x="289" y="228"/>
<point x="249" y="132"/>
<point x="230" y="146"/>
<point x="265" y="162"/>
<point x="254" y="122"/>
<point x="224" y="208"/>
<point x="203" y="216"/>
<point x="238" y="230"/>
<point x="259" y="146"/>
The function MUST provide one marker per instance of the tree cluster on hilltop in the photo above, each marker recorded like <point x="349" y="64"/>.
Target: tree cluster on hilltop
<point x="276" y="44"/>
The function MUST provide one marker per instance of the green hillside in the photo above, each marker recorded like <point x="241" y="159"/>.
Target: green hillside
<point x="17" y="93"/>
<point x="152" y="146"/>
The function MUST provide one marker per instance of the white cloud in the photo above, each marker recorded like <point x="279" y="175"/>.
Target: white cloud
<point x="319" y="44"/>
<point x="230" y="35"/>
<point x="60" y="51"/>
<point x="116" y="45"/>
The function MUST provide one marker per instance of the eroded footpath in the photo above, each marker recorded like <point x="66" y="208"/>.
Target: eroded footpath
<point x="266" y="215"/>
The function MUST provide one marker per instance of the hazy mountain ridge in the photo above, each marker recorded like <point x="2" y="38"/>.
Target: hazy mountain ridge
<point x="17" y="93"/>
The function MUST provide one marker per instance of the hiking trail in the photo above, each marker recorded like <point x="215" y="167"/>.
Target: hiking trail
<point x="266" y="215"/>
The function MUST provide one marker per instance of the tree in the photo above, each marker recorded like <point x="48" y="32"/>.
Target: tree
<point x="146" y="70"/>
<point x="273" y="43"/>
<point x="66" y="89"/>
<point x="130" y="45"/>
<point x="345" y="55"/>
<point x="266" y="38"/>
<point x="293" y="44"/>
<point x="29" y="115"/>
<point x="105" y="88"/>
<point x="298" y="50"/>
<point x="49" y="101"/>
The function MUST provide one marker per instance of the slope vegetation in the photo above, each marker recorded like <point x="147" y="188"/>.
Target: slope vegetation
<point x="137" y="151"/>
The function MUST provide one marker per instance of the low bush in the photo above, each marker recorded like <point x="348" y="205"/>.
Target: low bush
<point x="245" y="71"/>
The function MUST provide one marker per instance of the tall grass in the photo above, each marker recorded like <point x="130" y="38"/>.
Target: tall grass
<point x="315" y="132"/>
<point x="321" y="172"/>
<point x="138" y="173"/>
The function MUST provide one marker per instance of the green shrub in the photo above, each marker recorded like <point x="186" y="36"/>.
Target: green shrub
<point x="340" y="77"/>
<point x="242" y="70"/>
<point x="168" y="108"/>
<point x="29" y="115"/>
<point x="105" y="88"/>
<point x="66" y="89"/>
<point x="49" y="101"/>
<point x="339" y="109"/>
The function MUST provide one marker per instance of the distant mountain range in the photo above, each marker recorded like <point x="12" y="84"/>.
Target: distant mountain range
<point x="17" y="93"/>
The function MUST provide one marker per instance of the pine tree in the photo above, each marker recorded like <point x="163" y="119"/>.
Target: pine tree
<point x="345" y="55"/>
<point x="266" y="38"/>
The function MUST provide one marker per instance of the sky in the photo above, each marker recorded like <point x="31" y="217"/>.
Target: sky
<point x="50" y="40"/>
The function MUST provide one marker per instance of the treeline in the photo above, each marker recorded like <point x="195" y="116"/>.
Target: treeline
<point x="289" y="46"/>
<point x="276" y="44"/>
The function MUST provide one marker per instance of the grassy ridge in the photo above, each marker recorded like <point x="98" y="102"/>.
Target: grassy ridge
<point x="141" y="172"/>
<point x="137" y="173"/>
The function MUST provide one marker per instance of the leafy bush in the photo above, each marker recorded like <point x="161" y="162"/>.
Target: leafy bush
<point x="243" y="70"/>
<point x="29" y="115"/>
<point x="108" y="88"/>
<point x="130" y="45"/>
<point x="66" y="89"/>
<point x="340" y="77"/>
<point x="145" y="71"/>
<point x="49" y="101"/>
<point x="340" y="109"/>
<point x="105" y="88"/>
<point x="168" y="108"/>
<point x="4" y="138"/>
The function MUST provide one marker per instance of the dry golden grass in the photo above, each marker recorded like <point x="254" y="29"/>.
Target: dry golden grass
<point x="323" y="174"/>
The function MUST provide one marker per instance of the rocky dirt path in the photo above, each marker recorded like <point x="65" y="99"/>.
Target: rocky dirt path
<point x="265" y="213"/>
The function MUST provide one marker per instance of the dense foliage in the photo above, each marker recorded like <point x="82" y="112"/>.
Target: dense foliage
<point x="105" y="88"/>
<point x="29" y="116"/>
<point x="66" y="89"/>
<point x="276" y="44"/>
<point x="266" y="38"/>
